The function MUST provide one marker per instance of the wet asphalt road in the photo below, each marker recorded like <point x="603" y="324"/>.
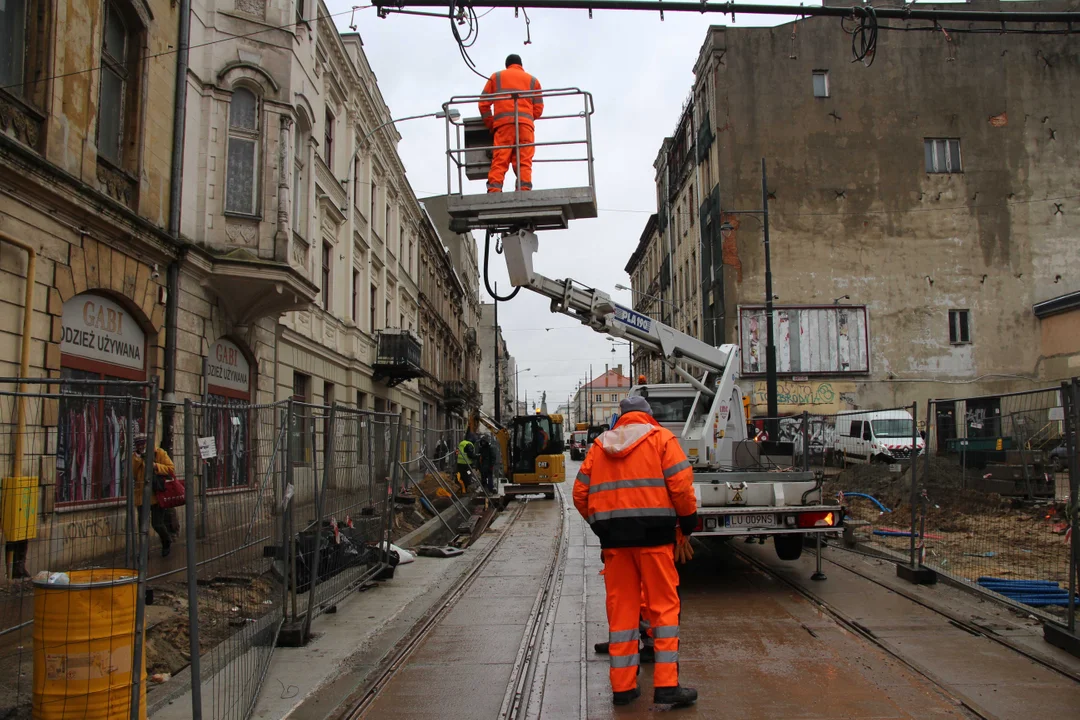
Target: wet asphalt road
<point x="752" y="645"/>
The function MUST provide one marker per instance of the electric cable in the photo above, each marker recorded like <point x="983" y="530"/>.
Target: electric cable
<point x="863" y="35"/>
<point x="465" y="15"/>
<point x="487" y="284"/>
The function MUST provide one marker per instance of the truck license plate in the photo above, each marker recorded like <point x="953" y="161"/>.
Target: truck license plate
<point x="750" y="520"/>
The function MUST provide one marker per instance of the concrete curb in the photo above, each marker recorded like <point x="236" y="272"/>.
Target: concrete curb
<point x="432" y="527"/>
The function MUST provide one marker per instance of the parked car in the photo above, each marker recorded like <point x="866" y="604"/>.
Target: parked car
<point x="577" y="445"/>
<point x="1058" y="459"/>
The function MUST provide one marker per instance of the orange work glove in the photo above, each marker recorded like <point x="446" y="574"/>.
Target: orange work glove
<point x="683" y="550"/>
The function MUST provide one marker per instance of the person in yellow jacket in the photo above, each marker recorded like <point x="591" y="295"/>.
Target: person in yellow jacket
<point x="466" y="453"/>
<point x="163" y="465"/>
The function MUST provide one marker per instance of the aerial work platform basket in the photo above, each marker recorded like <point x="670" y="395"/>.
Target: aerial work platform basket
<point x="561" y="133"/>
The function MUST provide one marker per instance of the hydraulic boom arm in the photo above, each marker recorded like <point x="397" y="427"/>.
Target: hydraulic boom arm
<point x="597" y="310"/>
<point x="710" y="444"/>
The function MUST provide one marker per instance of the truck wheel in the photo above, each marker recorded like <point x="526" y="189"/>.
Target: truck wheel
<point x="788" y="547"/>
<point x="549" y="496"/>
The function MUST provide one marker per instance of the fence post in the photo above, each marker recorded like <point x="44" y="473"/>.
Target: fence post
<point x="1066" y="637"/>
<point x="192" y="566"/>
<point x="913" y="571"/>
<point x="320" y="502"/>
<point x="388" y="512"/>
<point x="914" y="486"/>
<point x="1072" y="448"/>
<point x="130" y="535"/>
<point x="283" y="509"/>
<point x="144" y="551"/>
<point x="806" y="440"/>
<point x="371" y="459"/>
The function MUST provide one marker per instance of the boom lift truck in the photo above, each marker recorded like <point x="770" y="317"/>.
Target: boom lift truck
<point x="787" y="506"/>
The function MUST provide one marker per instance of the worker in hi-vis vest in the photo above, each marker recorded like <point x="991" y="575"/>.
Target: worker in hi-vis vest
<point x="515" y="102"/>
<point x="636" y="491"/>
<point x="466" y="453"/>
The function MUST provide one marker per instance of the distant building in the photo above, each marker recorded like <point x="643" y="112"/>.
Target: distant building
<point x="488" y="334"/>
<point x="598" y="400"/>
<point x="918" y="242"/>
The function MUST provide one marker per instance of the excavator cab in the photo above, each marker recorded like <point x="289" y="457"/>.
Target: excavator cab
<point x="536" y="451"/>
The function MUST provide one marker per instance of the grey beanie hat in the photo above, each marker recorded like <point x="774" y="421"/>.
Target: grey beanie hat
<point x="635" y="403"/>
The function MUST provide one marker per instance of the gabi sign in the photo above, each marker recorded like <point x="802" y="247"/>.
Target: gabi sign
<point x="96" y="328"/>
<point x="226" y="367"/>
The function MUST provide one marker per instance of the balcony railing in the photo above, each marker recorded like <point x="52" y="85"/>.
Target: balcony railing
<point x="460" y="394"/>
<point x="398" y="356"/>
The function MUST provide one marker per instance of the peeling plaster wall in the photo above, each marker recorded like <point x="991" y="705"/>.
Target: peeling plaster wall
<point x="855" y="213"/>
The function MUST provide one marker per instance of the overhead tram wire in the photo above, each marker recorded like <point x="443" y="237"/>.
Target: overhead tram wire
<point x="904" y="12"/>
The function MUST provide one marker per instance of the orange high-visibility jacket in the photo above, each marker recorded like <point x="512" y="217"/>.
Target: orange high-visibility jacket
<point x="500" y="111"/>
<point x="634" y="484"/>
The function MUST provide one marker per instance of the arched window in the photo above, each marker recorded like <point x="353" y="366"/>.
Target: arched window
<point x="241" y="173"/>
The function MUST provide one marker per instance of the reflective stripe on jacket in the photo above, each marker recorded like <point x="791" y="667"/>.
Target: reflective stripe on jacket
<point x="634" y="483"/>
<point x="463" y="453"/>
<point x="501" y="110"/>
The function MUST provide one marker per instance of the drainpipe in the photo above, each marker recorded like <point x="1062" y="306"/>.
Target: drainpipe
<point x="24" y="358"/>
<point x="172" y="276"/>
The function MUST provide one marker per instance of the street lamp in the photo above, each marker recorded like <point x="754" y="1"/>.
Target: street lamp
<point x="629" y="354"/>
<point x="516" y="388"/>
<point x="770" y="347"/>
<point x="651" y="297"/>
<point x="454" y="115"/>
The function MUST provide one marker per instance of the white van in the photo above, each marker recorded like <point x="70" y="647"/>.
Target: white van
<point x="874" y="436"/>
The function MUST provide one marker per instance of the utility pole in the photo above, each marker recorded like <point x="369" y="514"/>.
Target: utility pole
<point x="770" y="347"/>
<point x="498" y="369"/>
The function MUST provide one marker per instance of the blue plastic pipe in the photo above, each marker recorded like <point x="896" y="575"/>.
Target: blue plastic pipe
<point x="871" y="498"/>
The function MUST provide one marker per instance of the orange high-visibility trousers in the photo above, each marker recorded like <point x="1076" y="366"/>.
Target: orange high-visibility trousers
<point x="505" y="155"/>
<point x="629" y="572"/>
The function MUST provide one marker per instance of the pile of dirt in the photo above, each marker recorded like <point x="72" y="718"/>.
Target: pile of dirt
<point x="406" y="519"/>
<point x="969" y="533"/>
<point x="226" y="605"/>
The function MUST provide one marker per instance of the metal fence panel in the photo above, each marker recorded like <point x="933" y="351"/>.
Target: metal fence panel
<point x="234" y="594"/>
<point x="67" y="477"/>
<point x="992" y="499"/>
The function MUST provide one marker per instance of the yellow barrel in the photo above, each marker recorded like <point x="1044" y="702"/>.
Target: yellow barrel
<point x="84" y="638"/>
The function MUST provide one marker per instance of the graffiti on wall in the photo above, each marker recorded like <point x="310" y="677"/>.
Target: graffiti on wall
<point x="831" y="395"/>
<point x="820" y="433"/>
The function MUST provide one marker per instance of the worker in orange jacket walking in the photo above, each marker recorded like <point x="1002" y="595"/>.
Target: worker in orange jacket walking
<point x="515" y="102"/>
<point x="634" y="486"/>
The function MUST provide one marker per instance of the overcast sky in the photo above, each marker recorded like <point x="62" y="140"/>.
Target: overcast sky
<point x="640" y="71"/>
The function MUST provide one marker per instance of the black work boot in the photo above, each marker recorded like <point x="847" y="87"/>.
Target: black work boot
<point x="647" y="654"/>
<point x="625" y="697"/>
<point x="675" y="696"/>
<point x="602" y="648"/>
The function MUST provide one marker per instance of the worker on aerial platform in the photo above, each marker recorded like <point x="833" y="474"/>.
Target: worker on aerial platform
<point x="509" y="116"/>
<point x="633" y="489"/>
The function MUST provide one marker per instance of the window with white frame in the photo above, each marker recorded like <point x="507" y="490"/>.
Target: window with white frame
<point x="959" y="327"/>
<point x="241" y="172"/>
<point x="942" y="155"/>
<point x="821" y="83"/>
